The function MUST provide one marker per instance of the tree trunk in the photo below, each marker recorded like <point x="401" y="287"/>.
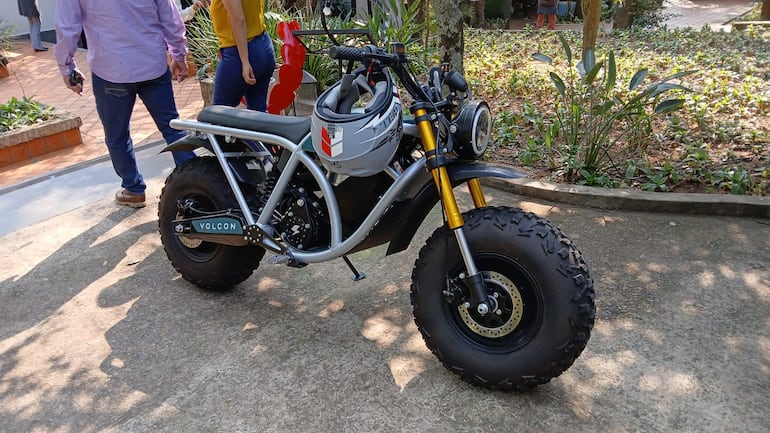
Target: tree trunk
<point x="477" y="13"/>
<point x="624" y="16"/>
<point x="449" y="23"/>
<point x="592" y="11"/>
<point x="765" y="13"/>
<point x="422" y="16"/>
<point x="422" y="12"/>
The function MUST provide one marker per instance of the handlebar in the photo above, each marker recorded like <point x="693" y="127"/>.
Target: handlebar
<point x="338" y="52"/>
<point x="397" y="62"/>
<point x="372" y="52"/>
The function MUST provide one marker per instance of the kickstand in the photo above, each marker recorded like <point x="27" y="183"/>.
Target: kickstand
<point x="357" y="276"/>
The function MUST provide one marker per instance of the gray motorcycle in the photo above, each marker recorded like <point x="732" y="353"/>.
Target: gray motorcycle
<point x="502" y="297"/>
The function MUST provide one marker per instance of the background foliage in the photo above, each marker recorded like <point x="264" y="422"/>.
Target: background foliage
<point x="717" y="142"/>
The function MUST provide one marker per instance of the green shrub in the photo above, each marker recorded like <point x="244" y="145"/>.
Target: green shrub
<point x="593" y="118"/>
<point x="18" y="113"/>
<point x="390" y="21"/>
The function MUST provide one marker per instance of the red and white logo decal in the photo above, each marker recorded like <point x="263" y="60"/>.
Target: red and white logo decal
<point x="331" y="143"/>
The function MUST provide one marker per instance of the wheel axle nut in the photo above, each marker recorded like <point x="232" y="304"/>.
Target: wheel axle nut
<point x="482" y="308"/>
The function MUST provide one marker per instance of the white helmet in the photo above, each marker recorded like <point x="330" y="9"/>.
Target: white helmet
<point x="356" y="124"/>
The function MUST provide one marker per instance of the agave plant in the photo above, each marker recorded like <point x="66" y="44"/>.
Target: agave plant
<point x="203" y="45"/>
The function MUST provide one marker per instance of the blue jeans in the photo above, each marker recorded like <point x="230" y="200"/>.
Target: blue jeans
<point x="229" y="85"/>
<point x="114" y="104"/>
<point x="34" y="32"/>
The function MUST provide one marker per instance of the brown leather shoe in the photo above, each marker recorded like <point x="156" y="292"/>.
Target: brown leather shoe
<point x="130" y="199"/>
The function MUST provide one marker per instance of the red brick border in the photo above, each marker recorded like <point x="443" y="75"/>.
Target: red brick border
<point x="32" y="141"/>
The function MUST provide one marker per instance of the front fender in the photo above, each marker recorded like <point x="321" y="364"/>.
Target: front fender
<point x="427" y="197"/>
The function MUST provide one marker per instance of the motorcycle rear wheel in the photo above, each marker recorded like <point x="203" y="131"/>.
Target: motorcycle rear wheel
<point x="543" y="294"/>
<point x="208" y="265"/>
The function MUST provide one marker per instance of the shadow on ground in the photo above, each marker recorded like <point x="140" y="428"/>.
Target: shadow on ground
<point x="98" y="333"/>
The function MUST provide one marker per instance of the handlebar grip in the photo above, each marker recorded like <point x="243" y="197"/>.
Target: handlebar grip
<point x="346" y="53"/>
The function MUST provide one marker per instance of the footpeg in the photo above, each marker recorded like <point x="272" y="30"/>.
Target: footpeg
<point x="278" y="259"/>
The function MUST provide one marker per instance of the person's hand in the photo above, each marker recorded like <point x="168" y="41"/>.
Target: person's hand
<point x="248" y="74"/>
<point x="201" y="4"/>
<point x="74" y="81"/>
<point x="180" y="69"/>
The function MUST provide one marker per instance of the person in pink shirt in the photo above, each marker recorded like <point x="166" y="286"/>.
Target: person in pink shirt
<point x="127" y="46"/>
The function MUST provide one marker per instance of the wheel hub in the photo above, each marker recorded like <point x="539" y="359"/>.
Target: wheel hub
<point x="184" y="207"/>
<point x="184" y="240"/>
<point x="189" y="242"/>
<point x="506" y="310"/>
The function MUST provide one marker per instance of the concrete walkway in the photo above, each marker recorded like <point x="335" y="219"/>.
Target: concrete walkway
<point x="99" y="334"/>
<point x="679" y="13"/>
<point x="34" y="74"/>
<point x="37" y="189"/>
<point x="697" y="13"/>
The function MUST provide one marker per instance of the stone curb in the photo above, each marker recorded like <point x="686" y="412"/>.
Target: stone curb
<point x="743" y="25"/>
<point x="632" y="200"/>
<point x="72" y="168"/>
<point x="578" y="195"/>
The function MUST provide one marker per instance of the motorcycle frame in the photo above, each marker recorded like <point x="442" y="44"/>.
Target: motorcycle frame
<point x="403" y="181"/>
<point x="338" y="247"/>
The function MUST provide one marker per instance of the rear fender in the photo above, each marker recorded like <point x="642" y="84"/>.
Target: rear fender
<point x="242" y="169"/>
<point x="427" y="197"/>
<point x="189" y="143"/>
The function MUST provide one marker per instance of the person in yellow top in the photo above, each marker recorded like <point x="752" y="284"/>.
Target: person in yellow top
<point x="247" y="55"/>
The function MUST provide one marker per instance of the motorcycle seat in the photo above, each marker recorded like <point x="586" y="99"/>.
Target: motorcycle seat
<point x="290" y="127"/>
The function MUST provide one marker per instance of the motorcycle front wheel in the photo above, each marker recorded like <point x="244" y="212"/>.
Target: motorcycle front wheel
<point x="208" y="265"/>
<point x="540" y="291"/>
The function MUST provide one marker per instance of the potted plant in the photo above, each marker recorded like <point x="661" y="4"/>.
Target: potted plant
<point x="5" y="44"/>
<point x="203" y="46"/>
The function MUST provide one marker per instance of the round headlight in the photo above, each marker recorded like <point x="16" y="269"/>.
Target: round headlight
<point x="473" y="128"/>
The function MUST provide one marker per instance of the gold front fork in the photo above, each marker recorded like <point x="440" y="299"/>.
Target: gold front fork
<point x="474" y="186"/>
<point x="473" y="279"/>
<point x="440" y="175"/>
<point x="441" y="178"/>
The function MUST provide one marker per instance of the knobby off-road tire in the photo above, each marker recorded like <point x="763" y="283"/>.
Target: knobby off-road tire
<point x="208" y="265"/>
<point x="544" y="294"/>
